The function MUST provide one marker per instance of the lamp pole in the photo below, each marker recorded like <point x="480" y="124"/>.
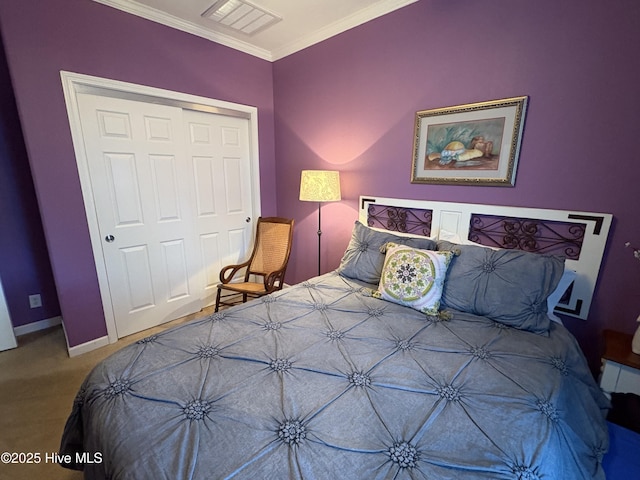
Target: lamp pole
<point x="319" y="235"/>
<point x="320" y="186"/>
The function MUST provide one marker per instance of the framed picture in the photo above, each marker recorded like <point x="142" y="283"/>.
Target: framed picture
<point x="474" y="144"/>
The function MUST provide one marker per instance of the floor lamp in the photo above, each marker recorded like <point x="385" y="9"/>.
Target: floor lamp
<point x="320" y="186"/>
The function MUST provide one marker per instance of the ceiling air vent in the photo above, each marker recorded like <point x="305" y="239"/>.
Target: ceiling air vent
<point x="241" y="16"/>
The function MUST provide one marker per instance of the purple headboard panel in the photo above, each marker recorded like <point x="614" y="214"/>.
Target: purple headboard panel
<point x="536" y="235"/>
<point x="415" y="221"/>
<point x="578" y="236"/>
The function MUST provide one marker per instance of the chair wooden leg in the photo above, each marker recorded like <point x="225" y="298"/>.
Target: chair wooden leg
<point x="218" y="299"/>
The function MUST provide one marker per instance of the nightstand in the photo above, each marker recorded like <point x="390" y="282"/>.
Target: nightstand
<point x="620" y="366"/>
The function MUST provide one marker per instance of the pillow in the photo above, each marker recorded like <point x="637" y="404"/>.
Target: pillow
<point x="363" y="259"/>
<point x="552" y="301"/>
<point x="449" y="236"/>
<point x="455" y="238"/>
<point x="507" y="286"/>
<point x="413" y="277"/>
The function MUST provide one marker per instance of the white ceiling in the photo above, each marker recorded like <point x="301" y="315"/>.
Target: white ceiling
<point x="304" y="22"/>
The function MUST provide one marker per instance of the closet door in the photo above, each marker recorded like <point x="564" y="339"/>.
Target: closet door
<point x="172" y="194"/>
<point x="218" y="151"/>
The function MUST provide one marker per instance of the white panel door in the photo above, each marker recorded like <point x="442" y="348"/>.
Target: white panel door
<point x="141" y="182"/>
<point x="218" y="149"/>
<point x="151" y="285"/>
<point x="7" y="337"/>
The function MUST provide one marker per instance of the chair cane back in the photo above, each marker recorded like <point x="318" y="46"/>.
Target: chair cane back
<point x="268" y="261"/>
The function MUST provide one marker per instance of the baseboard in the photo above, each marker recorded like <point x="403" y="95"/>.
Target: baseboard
<point x="52" y="322"/>
<point x="88" y="346"/>
<point x="35" y="326"/>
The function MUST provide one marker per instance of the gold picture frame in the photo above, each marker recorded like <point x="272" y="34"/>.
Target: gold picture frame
<point x="473" y="144"/>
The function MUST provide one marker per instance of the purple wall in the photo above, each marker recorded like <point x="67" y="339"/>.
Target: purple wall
<point x="24" y="261"/>
<point x="349" y="103"/>
<point x="42" y="37"/>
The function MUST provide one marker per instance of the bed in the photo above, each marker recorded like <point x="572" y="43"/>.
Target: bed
<point x="353" y="375"/>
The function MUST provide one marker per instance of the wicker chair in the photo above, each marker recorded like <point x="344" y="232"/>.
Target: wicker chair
<point x="268" y="260"/>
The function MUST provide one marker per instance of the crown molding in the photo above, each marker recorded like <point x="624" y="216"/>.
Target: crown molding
<point x="358" y="18"/>
<point x="163" y="18"/>
<point x="374" y="11"/>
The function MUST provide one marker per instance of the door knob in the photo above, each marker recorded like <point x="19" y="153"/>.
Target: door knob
<point x="248" y="219"/>
<point x="109" y="238"/>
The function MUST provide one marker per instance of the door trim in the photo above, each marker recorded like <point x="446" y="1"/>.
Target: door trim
<point x="75" y="83"/>
<point x="7" y="331"/>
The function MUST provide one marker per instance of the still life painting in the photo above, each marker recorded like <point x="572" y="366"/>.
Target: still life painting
<point x="477" y="143"/>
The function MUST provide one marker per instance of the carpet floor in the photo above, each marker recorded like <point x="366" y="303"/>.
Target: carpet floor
<point x="38" y="383"/>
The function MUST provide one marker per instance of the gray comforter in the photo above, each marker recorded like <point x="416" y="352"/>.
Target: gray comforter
<point x="323" y="381"/>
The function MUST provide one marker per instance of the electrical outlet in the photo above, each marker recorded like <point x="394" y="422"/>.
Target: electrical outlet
<point x="35" y="301"/>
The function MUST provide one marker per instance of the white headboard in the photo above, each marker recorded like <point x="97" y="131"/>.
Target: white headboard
<point x="580" y="236"/>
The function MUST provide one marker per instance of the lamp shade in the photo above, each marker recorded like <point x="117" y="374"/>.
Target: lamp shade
<point x="320" y="186"/>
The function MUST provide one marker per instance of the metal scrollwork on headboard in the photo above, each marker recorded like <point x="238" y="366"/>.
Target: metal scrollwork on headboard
<point x="400" y="219"/>
<point x="579" y="236"/>
<point x="531" y="235"/>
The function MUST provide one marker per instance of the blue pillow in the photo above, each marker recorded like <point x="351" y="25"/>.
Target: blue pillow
<point x="363" y="259"/>
<point x="507" y="286"/>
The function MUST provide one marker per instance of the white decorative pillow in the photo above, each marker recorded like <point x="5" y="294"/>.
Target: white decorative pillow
<point x="552" y="300"/>
<point x="413" y="277"/>
<point x="455" y="238"/>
